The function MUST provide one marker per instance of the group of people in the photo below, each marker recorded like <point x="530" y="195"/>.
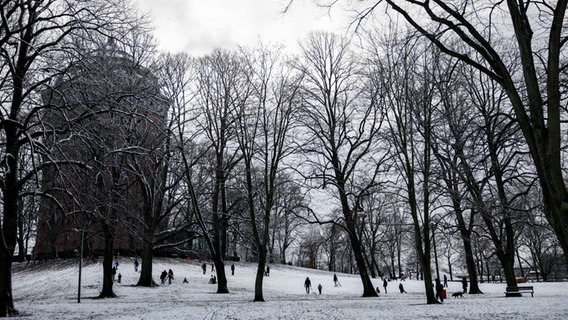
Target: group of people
<point x="169" y="275"/>
<point x="308" y="285"/>
<point x="439" y="287"/>
<point x="386" y="283"/>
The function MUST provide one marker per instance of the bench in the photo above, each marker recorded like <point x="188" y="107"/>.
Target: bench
<point x="520" y="289"/>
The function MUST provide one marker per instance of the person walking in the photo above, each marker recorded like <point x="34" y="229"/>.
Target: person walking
<point x="319" y="288"/>
<point x="204" y="267"/>
<point x="445" y="281"/>
<point x="401" y="288"/>
<point x="163" y="276"/>
<point x="170" y="276"/>
<point x="385" y="284"/>
<point x="135" y="265"/>
<point x="119" y="277"/>
<point x="439" y="288"/>
<point x="335" y="280"/>
<point x="307" y="285"/>
<point x="232" y="269"/>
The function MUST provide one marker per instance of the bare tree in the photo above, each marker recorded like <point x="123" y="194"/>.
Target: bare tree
<point x="536" y="94"/>
<point x="33" y="33"/>
<point x="212" y="102"/>
<point x="263" y="132"/>
<point x="487" y="152"/>
<point x="342" y="123"/>
<point x="408" y="99"/>
<point x="449" y="147"/>
<point x="161" y="173"/>
<point x="111" y="117"/>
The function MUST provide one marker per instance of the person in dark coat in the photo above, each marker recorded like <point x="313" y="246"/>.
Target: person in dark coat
<point x="163" y="276"/>
<point x="401" y="288"/>
<point x="319" y="288"/>
<point x="307" y="284"/>
<point x="385" y="284"/>
<point x="464" y="284"/>
<point x="445" y="281"/>
<point x="204" y="268"/>
<point x="170" y="276"/>
<point x="136" y="265"/>
<point x="335" y="280"/>
<point x="439" y="288"/>
<point x="232" y="269"/>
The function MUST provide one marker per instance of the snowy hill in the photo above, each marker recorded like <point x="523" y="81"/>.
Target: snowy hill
<point x="49" y="291"/>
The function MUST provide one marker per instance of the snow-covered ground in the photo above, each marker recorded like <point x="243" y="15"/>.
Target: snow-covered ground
<point x="49" y="291"/>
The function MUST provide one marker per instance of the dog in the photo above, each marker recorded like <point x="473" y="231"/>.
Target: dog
<point x="457" y="295"/>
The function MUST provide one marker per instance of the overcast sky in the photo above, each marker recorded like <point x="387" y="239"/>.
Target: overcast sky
<point x="199" y="26"/>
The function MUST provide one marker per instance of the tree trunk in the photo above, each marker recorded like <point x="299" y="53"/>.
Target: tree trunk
<point x="6" y="301"/>
<point x="221" y="276"/>
<point x="146" y="279"/>
<point x="20" y="238"/>
<point x="258" y="292"/>
<point x="470" y="263"/>
<point x="450" y="268"/>
<point x="425" y="263"/>
<point x="368" y="288"/>
<point x="8" y="226"/>
<point x="107" y="291"/>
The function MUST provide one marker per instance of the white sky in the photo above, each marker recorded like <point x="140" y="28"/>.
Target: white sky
<point x="199" y="26"/>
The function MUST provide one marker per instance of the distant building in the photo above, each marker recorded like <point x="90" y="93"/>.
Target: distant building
<point x="107" y="115"/>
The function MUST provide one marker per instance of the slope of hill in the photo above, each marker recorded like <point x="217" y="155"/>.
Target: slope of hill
<point x="49" y="291"/>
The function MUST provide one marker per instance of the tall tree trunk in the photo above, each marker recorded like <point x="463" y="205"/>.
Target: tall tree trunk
<point x="146" y="279"/>
<point x="450" y="268"/>
<point x="368" y="288"/>
<point x="20" y="239"/>
<point x="221" y="275"/>
<point x="351" y="224"/>
<point x="465" y="233"/>
<point x="107" y="291"/>
<point x="219" y="225"/>
<point x="6" y="301"/>
<point x="470" y="263"/>
<point x="258" y="283"/>
<point x="10" y="193"/>
<point x="422" y="246"/>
